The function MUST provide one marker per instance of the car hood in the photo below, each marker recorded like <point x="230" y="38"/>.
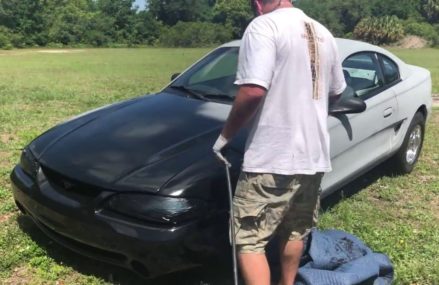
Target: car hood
<point x="135" y="145"/>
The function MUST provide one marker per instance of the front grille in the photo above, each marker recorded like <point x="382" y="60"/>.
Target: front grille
<point x="68" y="185"/>
<point x="83" y="248"/>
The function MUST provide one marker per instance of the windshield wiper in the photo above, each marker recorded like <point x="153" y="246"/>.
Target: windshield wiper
<point x="189" y="91"/>
<point x="219" y="96"/>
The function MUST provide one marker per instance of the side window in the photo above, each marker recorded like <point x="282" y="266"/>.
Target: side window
<point x="362" y="73"/>
<point x="390" y="70"/>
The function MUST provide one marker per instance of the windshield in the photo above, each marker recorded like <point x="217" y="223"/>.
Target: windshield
<point x="213" y="76"/>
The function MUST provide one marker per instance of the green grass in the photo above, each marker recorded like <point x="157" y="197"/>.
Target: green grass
<point x="395" y="215"/>
<point x="427" y="58"/>
<point x="399" y="216"/>
<point x="38" y="90"/>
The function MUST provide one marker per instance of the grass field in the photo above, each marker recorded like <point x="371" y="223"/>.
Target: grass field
<point x="395" y="215"/>
<point x="428" y="58"/>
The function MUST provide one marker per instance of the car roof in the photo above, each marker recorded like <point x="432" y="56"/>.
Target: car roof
<point x="348" y="47"/>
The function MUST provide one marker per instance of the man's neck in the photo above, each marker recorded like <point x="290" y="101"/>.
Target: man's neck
<point x="284" y="4"/>
<point x="275" y="6"/>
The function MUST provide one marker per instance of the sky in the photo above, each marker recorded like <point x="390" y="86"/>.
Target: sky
<point x="140" y="3"/>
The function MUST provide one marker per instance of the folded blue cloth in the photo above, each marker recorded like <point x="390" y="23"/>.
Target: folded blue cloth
<point x="338" y="258"/>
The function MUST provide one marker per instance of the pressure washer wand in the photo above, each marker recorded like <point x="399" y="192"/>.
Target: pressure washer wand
<point x="232" y="225"/>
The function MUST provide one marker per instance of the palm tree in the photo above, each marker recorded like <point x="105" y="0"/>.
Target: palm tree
<point x="431" y="9"/>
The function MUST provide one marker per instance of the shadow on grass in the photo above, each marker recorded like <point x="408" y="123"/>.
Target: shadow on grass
<point x="218" y="274"/>
<point x="354" y="187"/>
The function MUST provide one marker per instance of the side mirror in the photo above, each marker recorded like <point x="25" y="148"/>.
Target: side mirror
<point x="349" y="103"/>
<point x="175" y="75"/>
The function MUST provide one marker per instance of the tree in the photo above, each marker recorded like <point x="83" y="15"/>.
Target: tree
<point x="235" y="14"/>
<point x="147" y="29"/>
<point x="25" y="23"/>
<point x="322" y="12"/>
<point x="194" y="34"/>
<point x="5" y="37"/>
<point x="172" y="11"/>
<point x="122" y="17"/>
<point x="403" y="9"/>
<point x="380" y="30"/>
<point x="342" y="16"/>
<point x="69" y="23"/>
<point x="28" y="18"/>
<point x="430" y="9"/>
<point x="99" y="31"/>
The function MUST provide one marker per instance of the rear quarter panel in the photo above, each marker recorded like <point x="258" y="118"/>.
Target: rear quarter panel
<point x="413" y="94"/>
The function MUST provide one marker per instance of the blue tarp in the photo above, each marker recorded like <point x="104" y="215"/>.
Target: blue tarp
<point x="335" y="257"/>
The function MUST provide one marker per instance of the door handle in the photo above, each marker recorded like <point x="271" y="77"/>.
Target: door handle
<point x="388" y="112"/>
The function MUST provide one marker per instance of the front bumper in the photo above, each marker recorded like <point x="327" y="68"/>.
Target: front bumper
<point x="72" y="220"/>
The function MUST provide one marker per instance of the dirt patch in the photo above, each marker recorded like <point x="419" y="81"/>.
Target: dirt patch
<point x="17" y="52"/>
<point x="46" y="51"/>
<point x="7" y="138"/>
<point x="436" y="100"/>
<point x="4" y="159"/>
<point x="412" y="42"/>
<point x="435" y="118"/>
<point x="435" y="207"/>
<point x="426" y="179"/>
<point x="5" y="155"/>
<point x="60" y="51"/>
<point x="20" y="276"/>
<point x="6" y="217"/>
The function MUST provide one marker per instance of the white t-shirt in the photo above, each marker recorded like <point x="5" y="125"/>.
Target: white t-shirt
<point x="283" y="51"/>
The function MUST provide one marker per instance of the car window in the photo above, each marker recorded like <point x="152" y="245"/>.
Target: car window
<point x="213" y="75"/>
<point x="362" y="73"/>
<point x="390" y="70"/>
<point x="222" y="66"/>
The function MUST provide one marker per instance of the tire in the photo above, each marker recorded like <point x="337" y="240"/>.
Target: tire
<point x="405" y="159"/>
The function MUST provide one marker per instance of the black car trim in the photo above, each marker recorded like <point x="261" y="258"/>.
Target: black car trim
<point x="68" y="185"/>
<point x="28" y="200"/>
<point x="84" y="249"/>
<point x="21" y="178"/>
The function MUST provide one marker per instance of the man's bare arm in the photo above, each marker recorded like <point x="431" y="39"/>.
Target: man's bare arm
<point x="244" y="108"/>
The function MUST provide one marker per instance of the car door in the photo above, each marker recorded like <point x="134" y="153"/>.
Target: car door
<point x="360" y="140"/>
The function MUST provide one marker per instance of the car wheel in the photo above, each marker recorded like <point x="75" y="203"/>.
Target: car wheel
<point x="405" y="159"/>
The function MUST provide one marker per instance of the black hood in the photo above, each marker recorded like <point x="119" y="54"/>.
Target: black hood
<point x="134" y="145"/>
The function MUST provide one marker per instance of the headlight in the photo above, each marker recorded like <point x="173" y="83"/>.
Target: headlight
<point x="156" y="209"/>
<point x="29" y="163"/>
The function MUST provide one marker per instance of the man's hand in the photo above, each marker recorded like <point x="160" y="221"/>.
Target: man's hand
<point x="220" y="143"/>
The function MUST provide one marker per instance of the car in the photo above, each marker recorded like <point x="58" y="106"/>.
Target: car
<point x="136" y="183"/>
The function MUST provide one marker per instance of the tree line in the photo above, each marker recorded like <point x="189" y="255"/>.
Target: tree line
<point x="188" y="23"/>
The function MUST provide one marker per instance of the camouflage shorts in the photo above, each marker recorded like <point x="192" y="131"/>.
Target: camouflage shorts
<point x="267" y="204"/>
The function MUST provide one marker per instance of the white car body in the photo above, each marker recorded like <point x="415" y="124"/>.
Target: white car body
<point x="370" y="137"/>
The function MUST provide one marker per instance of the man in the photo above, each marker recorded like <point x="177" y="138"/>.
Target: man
<point x="288" y="65"/>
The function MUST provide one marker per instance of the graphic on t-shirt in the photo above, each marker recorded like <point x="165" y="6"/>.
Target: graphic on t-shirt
<point x="313" y="47"/>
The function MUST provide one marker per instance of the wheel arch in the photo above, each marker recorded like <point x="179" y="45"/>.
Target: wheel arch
<point x="423" y="111"/>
